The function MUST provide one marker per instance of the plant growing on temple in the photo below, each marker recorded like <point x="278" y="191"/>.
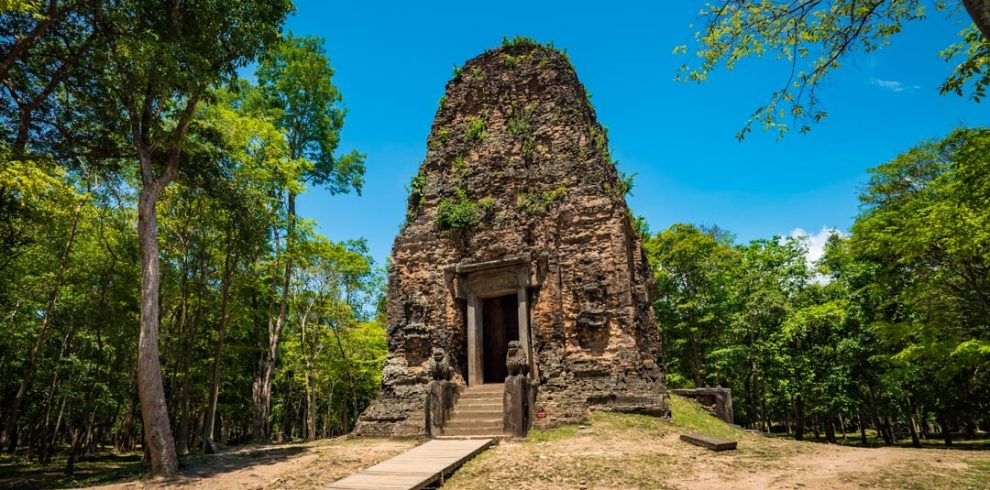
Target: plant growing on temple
<point x="539" y="202"/>
<point x="519" y="41"/>
<point x="474" y="129"/>
<point x="456" y="213"/>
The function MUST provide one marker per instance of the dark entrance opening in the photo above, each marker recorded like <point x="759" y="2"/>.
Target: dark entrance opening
<point x="500" y="321"/>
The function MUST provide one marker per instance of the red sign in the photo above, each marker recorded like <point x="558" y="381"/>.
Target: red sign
<point x="541" y="415"/>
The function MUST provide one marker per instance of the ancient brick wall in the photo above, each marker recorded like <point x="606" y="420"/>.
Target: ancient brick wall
<point x="518" y="167"/>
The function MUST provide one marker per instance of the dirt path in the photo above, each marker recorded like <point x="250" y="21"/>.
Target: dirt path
<point x="818" y="466"/>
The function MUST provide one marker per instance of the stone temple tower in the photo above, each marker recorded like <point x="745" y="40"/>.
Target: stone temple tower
<point x="517" y="229"/>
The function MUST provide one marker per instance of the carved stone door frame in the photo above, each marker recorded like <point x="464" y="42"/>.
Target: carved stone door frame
<point x="478" y="281"/>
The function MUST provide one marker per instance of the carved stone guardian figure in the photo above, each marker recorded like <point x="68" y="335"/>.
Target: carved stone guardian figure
<point x="440" y="366"/>
<point x="516" y="360"/>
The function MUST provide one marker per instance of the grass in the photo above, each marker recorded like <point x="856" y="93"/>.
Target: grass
<point x="614" y="450"/>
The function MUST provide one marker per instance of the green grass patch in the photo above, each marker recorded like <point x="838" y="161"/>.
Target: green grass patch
<point x="554" y="434"/>
<point x="690" y="417"/>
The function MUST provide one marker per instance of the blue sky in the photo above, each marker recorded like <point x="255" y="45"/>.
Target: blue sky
<point x="393" y="58"/>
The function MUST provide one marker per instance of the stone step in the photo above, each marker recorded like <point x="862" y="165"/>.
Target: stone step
<point x="478" y="402"/>
<point x="492" y="409"/>
<point x="488" y="426"/>
<point x="486" y="388"/>
<point x="471" y="395"/>
<point x="474" y="434"/>
<point x="476" y="416"/>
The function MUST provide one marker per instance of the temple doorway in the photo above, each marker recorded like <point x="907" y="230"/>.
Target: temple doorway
<point x="500" y="323"/>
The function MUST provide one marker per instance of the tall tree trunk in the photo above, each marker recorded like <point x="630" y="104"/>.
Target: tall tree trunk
<point x="915" y="441"/>
<point x="979" y="10"/>
<point x="211" y="412"/>
<point x="186" y="419"/>
<point x="154" y="412"/>
<point x="50" y="443"/>
<point x="310" y="409"/>
<point x="829" y="425"/>
<point x="10" y="429"/>
<point x="799" y="418"/>
<point x="862" y="428"/>
<point x="695" y="360"/>
<point x="263" y="388"/>
<point x="350" y="377"/>
<point x="125" y="437"/>
<point x="892" y="434"/>
<point x="943" y="423"/>
<point x="309" y="431"/>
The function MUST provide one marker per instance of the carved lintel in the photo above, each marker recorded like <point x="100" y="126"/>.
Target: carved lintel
<point x="523" y="258"/>
<point x="501" y="275"/>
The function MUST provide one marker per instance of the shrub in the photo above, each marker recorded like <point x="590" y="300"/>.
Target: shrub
<point x="598" y="137"/>
<point x="440" y="140"/>
<point x="626" y="183"/>
<point x="460" y="165"/>
<point x="475" y="129"/>
<point x="538" y="202"/>
<point x="456" y="213"/>
<point x="519" y="41"/>
<point x="511" y="62"/>
<point x="415" y="190"/>
<point x="517" y="125"/>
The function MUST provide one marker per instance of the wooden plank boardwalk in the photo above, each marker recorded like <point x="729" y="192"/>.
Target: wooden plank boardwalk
<point x="416" y="468"/>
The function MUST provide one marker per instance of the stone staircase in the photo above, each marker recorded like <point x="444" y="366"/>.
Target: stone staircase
<point x="478" y="412"/>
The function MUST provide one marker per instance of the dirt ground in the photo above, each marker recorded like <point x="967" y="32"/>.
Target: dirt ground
<point x="613" y="451"/>
<point x="585" y="461"/>
<point x="289" y="466"/>
<point x="627" y="451"/>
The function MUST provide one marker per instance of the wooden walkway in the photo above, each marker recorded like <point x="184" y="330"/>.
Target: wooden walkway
<point x="416" y="468"/>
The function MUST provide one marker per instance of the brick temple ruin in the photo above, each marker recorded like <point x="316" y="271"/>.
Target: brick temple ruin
<point x="518" y="230"/>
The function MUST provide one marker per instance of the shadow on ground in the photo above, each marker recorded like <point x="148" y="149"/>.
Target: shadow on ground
<point x="113" y="468"/>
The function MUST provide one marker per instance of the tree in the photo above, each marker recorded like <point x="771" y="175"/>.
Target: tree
<point x="693" y="268"/>
<point x="924" y="226"/>
<point x="256" y="156"/>
<point x="295" y="89"/>
<point x="28" y="192"/>
<point x="42" y="51"/>
<point x="815" y="37"/>
<point x="161" y="63"/>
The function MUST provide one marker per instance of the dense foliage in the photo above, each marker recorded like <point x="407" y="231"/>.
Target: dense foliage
<point x="117" y="114"/>
<point x="888" y="330"/>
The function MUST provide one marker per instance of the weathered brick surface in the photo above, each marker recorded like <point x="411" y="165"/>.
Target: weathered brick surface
<point x="543" y="184"/>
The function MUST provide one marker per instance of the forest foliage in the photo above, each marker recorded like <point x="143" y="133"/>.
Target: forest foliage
<point x="888" y="330"/>
<point x="110" y="106"/>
